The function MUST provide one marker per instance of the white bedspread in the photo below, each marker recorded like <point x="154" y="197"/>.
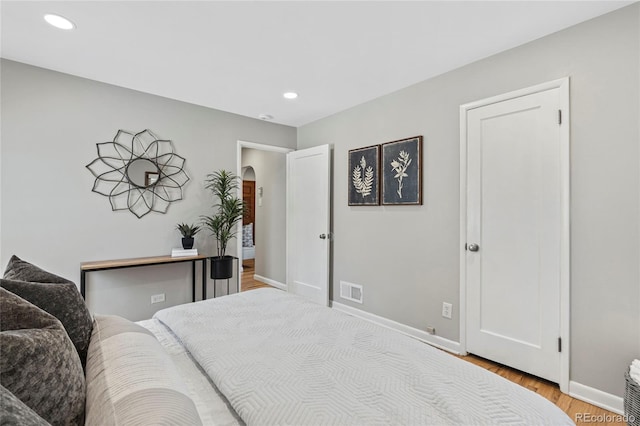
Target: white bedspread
<point x="281" y="360"/>
<point x="212" y="407"/>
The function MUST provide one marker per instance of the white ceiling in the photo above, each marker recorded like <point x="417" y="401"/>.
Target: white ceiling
<point x="240" y="56"/>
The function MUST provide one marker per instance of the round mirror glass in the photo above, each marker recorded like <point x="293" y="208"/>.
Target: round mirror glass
<point x="142" y="172"/>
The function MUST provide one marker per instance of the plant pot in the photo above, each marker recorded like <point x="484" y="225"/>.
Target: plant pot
<point x="187" y="243"/>
<point x="221" y="267"/>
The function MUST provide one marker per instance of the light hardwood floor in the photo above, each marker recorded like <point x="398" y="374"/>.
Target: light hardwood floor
<point x="248" y="283"/>
<point x="579" y="411"/>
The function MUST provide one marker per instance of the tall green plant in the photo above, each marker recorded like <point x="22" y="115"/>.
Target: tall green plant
<point x="230" y="209"/>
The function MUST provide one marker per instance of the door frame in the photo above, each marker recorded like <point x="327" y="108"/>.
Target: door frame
<point x="260" y="147"/>
<point x="565" y="241"/>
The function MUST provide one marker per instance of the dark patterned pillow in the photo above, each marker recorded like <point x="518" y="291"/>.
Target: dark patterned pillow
<point x="54" y="294"/>
<point x="13" y="412"/>
<point x="38" y="363"/>
<point x="20" y="270"/>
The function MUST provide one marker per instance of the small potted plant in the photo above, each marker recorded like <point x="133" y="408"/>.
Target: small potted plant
<point x="188" y="232"/>
<point x="222" y="224"/>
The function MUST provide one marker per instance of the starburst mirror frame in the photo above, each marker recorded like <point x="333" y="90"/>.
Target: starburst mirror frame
<point x="162" y="180"/>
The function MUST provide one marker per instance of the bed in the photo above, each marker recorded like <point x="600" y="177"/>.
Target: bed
<point x="213" y="408"/>
<point x="279" y="359"/>
<point x="263" y="357"/>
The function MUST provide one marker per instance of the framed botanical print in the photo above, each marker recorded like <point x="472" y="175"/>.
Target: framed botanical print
<point x="401" y="172"/>
<point x="364" y="180"/>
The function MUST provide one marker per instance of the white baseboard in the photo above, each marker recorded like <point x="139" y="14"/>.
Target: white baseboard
<point x="596" y="397"/>
<point x="437" y="341"/>
<point x="271" y="282"/>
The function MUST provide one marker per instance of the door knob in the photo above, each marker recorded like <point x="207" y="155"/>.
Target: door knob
<point x="474" y="247"/>
<point x="323" y="236"/>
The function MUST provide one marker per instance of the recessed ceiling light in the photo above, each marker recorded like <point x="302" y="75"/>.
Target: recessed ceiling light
<point x="290" y="95"/>
<point x="59" y="22"/>
<point x="265" y="117"/>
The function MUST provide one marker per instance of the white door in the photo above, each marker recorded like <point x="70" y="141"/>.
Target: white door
<point x="308" y="227"/>
<point x="514" y="225"/>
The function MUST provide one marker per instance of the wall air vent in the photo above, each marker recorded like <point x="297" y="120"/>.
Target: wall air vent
<point x="350" y="291"/>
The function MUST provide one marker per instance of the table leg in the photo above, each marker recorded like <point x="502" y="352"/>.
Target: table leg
<point x="83" y="284"/>
<point x="193" y="280"/>
<point x="237" y="275"/>
<point x="204" y="287"/>
<point x="204" y="279"/>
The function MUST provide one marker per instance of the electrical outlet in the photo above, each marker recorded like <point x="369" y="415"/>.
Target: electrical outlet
<point x="431" y="330"/>
<point x="446" y="309"/>
<point x="157" y="298"/>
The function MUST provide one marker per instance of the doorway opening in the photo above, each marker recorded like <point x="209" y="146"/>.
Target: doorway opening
<point x="260" y="237"/>
<point x="249" y="217"/>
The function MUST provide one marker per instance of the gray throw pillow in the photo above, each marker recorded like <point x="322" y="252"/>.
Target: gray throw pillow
<point x="54" y="294"/>
<point x="20" y="270"/>
<point x="38" y="363"/>
<point x="13" y="412"/>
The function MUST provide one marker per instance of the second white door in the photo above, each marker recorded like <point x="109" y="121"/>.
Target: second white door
<point x="514" y="229"/>
<point x="308" y="225"/>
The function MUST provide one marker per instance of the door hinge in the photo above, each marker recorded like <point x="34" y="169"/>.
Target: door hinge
<point x="559" y="116"/>
<point x="559" y="344"/>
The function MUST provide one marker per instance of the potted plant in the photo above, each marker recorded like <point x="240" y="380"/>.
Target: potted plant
<point x="222" y="224"/>
<point x="188" y="232"/>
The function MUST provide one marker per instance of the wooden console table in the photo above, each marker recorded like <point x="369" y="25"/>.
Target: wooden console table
<point x="104" y="265"/>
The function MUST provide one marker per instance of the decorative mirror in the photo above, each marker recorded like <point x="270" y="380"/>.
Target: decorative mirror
<point x="142" y="172"/>
<point x="138" y="172"/>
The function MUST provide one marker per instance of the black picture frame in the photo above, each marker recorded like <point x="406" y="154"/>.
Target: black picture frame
<point x="401" y="172"/>
<point x="364" y="176"/>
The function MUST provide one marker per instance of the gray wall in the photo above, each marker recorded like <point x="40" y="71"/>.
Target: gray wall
<point x="407" y="258"/>
<point x="270" y="170"/>
<point x="51" y="123"/>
